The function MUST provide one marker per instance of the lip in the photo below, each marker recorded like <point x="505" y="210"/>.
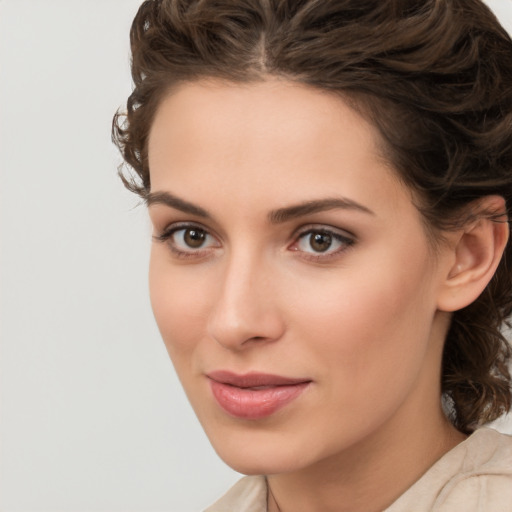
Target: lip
<point x="253" y="395"/>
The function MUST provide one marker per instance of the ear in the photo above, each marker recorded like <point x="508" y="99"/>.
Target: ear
<point x="475" y="254"/>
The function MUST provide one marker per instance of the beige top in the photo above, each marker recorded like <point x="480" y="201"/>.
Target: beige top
<point x="475" y="476"/>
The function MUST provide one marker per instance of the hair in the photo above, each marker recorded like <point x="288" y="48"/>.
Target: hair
<point x="435" y="78"/>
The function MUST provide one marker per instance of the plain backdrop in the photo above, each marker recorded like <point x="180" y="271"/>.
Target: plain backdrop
<point x="92" y="416"/>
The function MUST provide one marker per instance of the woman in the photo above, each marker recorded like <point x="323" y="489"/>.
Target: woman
<point x="329" y="183"/>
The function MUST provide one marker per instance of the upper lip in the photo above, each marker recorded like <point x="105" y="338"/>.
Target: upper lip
<point x="253" y="379"/>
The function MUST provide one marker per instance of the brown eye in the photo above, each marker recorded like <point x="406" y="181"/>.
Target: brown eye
<point x="189" y="239"/>
<point x="194" y="237"/>
<point x="320" y="242"/>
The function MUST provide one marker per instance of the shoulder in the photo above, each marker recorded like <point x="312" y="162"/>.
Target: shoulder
<point x="484" y="482"/>
<point x="476" y="476"/>
<point x="249" y="494"/>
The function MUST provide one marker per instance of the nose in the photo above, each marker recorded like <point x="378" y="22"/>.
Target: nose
<point x="246" y="309"/>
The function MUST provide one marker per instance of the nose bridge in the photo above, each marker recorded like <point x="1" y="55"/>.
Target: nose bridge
<point x="246" y="308"/>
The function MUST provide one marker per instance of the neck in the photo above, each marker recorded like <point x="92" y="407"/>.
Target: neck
<point x="367" y="477"/>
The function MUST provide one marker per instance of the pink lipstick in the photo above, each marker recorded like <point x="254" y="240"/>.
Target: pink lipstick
<point x="254" y="396"/>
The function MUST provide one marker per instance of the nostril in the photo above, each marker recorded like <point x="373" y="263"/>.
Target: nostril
<point x="256" y="339"/>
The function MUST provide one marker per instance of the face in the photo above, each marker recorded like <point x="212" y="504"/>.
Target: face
<point x="291" y="277"/>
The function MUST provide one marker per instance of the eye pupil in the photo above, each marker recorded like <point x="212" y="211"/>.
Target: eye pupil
<point x="194" y="237"/>
<point x="320" y="242"/>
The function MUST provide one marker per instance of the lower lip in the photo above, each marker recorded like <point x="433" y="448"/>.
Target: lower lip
<point x="254" y="404"/>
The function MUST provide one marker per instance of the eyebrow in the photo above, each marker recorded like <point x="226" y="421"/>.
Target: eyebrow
<point x="175" y="202"/>
<point x="278" y="216"/>
<point x="315" y="206"/>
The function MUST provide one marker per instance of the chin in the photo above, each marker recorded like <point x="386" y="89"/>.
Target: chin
<point x="257" y="465"/>
<point x="260" y="453"/>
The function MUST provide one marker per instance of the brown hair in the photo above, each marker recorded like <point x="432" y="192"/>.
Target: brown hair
<point x="434" y="76"/>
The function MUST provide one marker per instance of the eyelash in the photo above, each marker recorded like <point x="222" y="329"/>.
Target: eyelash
<point x="347" y="241"/>
<point x="166" y="237"/>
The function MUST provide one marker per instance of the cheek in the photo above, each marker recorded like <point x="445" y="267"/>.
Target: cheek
<point x="369" y="348"/>
<point x="180" y="305"/>
<point x="373" y="323"/>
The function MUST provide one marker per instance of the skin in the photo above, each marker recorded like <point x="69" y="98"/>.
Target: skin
<point x="361" y="320"/>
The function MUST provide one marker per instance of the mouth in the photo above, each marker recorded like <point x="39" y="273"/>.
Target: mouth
<point x="254" y="396"/>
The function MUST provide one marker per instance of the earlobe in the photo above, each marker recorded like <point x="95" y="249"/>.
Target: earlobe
<point x="477" y="251"/>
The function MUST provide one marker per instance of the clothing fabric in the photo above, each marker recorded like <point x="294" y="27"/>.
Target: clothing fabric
<point x="475" y="476"/>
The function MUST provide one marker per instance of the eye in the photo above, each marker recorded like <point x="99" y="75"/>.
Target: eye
<point x="188" y="239"/>
<point x="321" y="242"/>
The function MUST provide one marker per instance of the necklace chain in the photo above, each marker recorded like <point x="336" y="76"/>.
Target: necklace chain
<point x="274" y="501"/>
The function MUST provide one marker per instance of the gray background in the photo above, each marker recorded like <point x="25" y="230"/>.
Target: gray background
<point x="92" y="415"/>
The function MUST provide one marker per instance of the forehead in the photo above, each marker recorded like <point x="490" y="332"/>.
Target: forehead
<point x="264" y="107"/>
<point x="276" y="139"/>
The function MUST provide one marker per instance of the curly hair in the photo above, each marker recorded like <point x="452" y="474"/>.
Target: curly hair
<point x="435" y="78"/>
